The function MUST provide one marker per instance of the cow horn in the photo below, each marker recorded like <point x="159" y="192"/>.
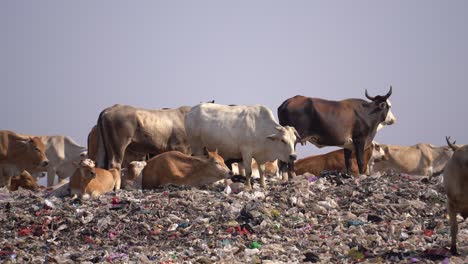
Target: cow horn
<point x="451" y="145"/>
<point x="369" y="97"/>
<point x="389" y="93"/>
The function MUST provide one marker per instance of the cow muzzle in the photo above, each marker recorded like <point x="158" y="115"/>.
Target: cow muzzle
<point x="44" y="163"/>
<point x="391" y="119"/>
<point x="292" y="157"/>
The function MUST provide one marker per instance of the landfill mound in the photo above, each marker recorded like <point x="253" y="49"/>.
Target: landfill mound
<point x="326" y="219"/>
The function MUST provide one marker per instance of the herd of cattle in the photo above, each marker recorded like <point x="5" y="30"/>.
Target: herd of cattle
<point x="132" y="147"/>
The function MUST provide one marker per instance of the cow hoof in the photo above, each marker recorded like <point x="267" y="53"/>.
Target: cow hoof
<point x="454" y="251"/>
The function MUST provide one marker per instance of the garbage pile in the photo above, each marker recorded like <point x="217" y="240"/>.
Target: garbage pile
<point x="315" y="219"/>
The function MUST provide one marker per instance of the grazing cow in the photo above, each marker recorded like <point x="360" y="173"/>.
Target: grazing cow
<point x="129" y="156"/>
<point x="177" y="168"/>
<point x="89" y="180"/>
<point x="456" y="187"/>
<point x="351" y="123"/>
<point x="24" y="180"/>
<point x="21" y="152"/>
<point x="132" y="175"/>
<point x="148" y="131"/>
<point x="335" y="161"/>
<point x="419" y="159"/>
<point x="240" y="132"/>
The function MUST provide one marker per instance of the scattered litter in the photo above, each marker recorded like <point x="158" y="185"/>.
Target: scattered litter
<point x="329" y="218"/>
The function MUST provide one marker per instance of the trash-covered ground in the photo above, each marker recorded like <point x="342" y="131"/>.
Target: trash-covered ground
<point x="328" y="219"/>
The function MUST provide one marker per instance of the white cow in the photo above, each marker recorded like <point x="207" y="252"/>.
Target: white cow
<point x="61" y="151"/>
<point x="240" y="132"/>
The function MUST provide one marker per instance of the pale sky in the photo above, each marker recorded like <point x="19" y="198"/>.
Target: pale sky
<point x="62" y="62"/>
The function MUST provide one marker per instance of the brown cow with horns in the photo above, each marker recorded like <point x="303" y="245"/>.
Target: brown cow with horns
<point x="351" y="123"/>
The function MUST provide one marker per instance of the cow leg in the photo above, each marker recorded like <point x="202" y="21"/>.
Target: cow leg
<point x="261" y="172"/>
<point x="291" y="171"/>
<point x="283" y="167"/>
<point x="359" y="148"/>
<point x="50" y="177"/>
<point x="247" y="162"/>
<point x="347" y="158"/>
<point x="453" y="230"/>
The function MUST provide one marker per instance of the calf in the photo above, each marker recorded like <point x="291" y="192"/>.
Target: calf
<point x="89" y="180"/>
<point x="24" y="180"/>
<point x="456" y="187"/>
<point x="174" y="167"/>
<point x="334" y="161"/>
<point x="132" y="175"/>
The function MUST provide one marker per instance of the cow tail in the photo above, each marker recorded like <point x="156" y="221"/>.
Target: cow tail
<point x="102" y="159"/>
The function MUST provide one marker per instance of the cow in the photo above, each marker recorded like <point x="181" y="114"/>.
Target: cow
<point x="61" y="151"/>
<point x="241" y="132"/>
<point x="24" y="180"/>
<point x="419" y="159"/>
<point x="87" y="180"/>
<point x="132" y="175"/>
<point x="148" y="131"/>
<point x="21" y="153"/>
<point x="129" y="156"/>
<point x="351" y="123"/>
<point x="334" y="161"/>
<point x="174" y="167"/>
<point x="456" y="188"/>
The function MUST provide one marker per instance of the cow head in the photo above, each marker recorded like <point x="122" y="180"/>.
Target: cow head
<point x="24" y="180"/>
<point x="377" y="152"/>
<point x="134" y="169"/>
<point x="383" y="106"/>
<point x="285" y="143"/>
<point x="87" y="169"/>
<point x="217" y="163"/>
<point x="35" y="152"/>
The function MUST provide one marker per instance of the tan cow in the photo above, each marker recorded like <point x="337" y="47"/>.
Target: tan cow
<point x="456" y="187"/>
<point x="89" y="180"/>
<point x="129" y="156"/>
<point x="174" y="167"/>
<point x="21" y="152"/>
<point x="334" y="161"/>
<point x="24" y="180"/>
<point x="419" y="159"/>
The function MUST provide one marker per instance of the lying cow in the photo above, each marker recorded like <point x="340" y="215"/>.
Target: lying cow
<point x="89" y="180"/>
<point x="177" y="168"/>
<point x="419" y="159"/>
<point x="24" y="180"/>
<point x="456" y="187"/>
<point x="335" y="161"/>
<point x="146" y="131"/>
<point x="21" y="153"/>
<point x="241" y="132"/>
<point x="132" y="175"/>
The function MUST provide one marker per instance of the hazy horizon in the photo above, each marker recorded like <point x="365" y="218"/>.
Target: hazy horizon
<point x="63" y="62"/>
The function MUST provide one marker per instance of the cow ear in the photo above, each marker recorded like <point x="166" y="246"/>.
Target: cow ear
<point x="205" y="152"/>
<point x="383" y="105"/>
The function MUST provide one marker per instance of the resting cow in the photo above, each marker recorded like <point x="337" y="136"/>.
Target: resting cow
<point x="21" y="153"/>
<point x="240" y="133"/>
<point x="24" y="180"/>
<point x="335" y="161"/>
<point x="132" y="175"/>
<point x="177" y="168"/>
<point x="148" y="131"/>
<point x="89" y="180"/>
<point x="456" y="187"/>
<point x="419" y="159"/>
<point x="351" y="123"/>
